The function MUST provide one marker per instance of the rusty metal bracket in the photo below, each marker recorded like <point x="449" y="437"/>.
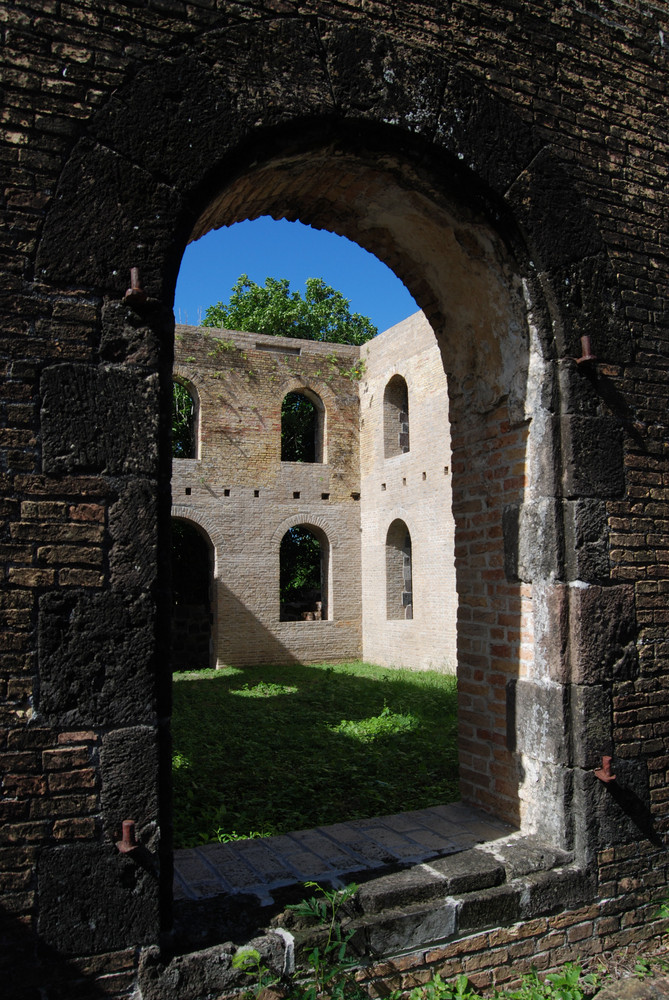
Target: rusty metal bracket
<point x="587" y="357"/>
<point x="128" y="843"/>
<point x="604" y="772"/>
<point x="135" y="295"/>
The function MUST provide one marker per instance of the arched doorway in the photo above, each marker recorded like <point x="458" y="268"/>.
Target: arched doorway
<point x="468" y="276"/>
<point x="443" y="200"/>
<point x="192" y="581"/>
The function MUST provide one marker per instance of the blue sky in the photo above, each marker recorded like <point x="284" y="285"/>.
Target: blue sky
<point x="265" y="248"/>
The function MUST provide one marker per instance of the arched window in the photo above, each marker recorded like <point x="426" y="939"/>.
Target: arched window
<point x="184" y="421"/>
<point x="192" y="572"/>
<point x="396" y="417"/>
<point x="302" y="420"/>
<point x="399" y="591"/>
<point x="303" y="574"/>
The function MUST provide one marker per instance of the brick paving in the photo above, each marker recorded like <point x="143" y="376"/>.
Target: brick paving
<point x="330" y="853"/>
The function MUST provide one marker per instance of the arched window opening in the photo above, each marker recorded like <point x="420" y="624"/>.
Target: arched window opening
<point x="184" y="421"/>
<point x="302" y="428"/>
<point x="303" y="575"/>
<point x="396" y="417"/>
<point x="192" y="573"/>
<point x="399" y="590"/>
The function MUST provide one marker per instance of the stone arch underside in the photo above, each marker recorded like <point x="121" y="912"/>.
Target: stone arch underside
<point x="414" y="159"/>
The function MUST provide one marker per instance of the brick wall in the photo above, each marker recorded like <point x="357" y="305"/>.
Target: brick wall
<point x="459" y="143"/>
<point x="414" y="487"/>
<point x="244" y="497"/>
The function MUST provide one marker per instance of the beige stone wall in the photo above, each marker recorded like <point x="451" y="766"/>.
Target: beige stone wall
<point x="415" y="487"/>
<point x="244" y="497"/>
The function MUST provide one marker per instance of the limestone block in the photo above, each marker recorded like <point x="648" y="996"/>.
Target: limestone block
<point x="496" y="907"/>
<point x="128" y="768"/>
<point x="592" y="457"/>
<point x="112" y="902"/>
<point x="586" y="540"/>
<point x="99" y="420"/>
<point x="591" y="718"/>
<point x="602" y="627"/>
<point x="95" y="660"/>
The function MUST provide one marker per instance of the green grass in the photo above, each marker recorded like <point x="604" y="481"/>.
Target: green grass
<point x="266" y="750"/>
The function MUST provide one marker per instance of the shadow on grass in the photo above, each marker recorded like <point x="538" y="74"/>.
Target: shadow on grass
<point x="267" y="750"/>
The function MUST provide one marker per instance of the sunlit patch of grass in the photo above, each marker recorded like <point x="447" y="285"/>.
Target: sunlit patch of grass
<point x="386" y="724"/>
<point x="263" y="690"/>
<point x="272" y="749"/>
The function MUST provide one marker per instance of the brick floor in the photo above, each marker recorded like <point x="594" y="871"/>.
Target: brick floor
<point x="330" y="853"/>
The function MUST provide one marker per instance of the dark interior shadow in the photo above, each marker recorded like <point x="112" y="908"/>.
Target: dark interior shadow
<point x="636" y="810"/>
<point x="28" y="967"/>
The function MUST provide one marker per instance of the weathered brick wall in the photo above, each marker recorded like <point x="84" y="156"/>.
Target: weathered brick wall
<point x="414" y="487"/>
<point x="126" y="129"/>
<point x="244" y="497"/>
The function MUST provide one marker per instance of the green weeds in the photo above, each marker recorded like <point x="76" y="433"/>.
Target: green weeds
<point x="331" y="972"/>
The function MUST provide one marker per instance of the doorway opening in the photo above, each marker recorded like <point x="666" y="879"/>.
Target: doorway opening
<point x="192" y="578"/>
<point x="465" y="278"/>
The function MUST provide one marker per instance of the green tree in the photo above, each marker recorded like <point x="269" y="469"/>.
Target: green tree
<point x="183" y="422"/>
<point x="299" y="421"/>
<point x="300" y="567"/>
<point x="323" y="314"/>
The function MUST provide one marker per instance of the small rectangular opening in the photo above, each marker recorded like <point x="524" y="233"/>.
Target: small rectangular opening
<point x="187" y="491"/>
<point x="271" y="349"/>
<point x="256" y="493"/>
<point x="226" y="492"/>
<point x="296" y="495"/>
<point x="325" y="496"/>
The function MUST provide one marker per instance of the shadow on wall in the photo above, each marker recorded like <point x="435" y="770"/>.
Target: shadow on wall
<point x="23" y="965"/>
<point x="249" y="642"/>
<point x="252" y="638"/>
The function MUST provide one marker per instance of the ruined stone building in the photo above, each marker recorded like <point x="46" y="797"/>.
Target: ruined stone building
<point x="375" y="491"/>
<point x="508" y="162"/>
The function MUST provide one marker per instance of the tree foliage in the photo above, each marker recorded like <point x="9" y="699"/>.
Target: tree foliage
<point x="300" y="561"/>
<point x="299" y="422"/>
<point x="323" y="314"/>
<point x="183" y="422"/>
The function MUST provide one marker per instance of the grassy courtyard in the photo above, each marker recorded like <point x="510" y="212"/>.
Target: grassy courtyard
<point x="266" y="750"/>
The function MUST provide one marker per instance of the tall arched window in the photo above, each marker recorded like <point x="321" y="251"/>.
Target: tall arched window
<point x="302" y="427"/>
<point x="192" y="576"/>
<point x="399" y="590"/>
<point x="184" y="421"/>
<point x="303" y="574"/>
<point x="395" y="417"/>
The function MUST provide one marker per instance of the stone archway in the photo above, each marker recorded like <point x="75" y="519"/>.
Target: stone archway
<point x="439" y="179"/>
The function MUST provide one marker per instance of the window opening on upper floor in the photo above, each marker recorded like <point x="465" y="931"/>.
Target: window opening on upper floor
<point x="302" y="418"/>
<point x="303" y="575"/>
<point x="399" y="586"/>
<point x="396" y="417"/>
<point x="184" y="421"/>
